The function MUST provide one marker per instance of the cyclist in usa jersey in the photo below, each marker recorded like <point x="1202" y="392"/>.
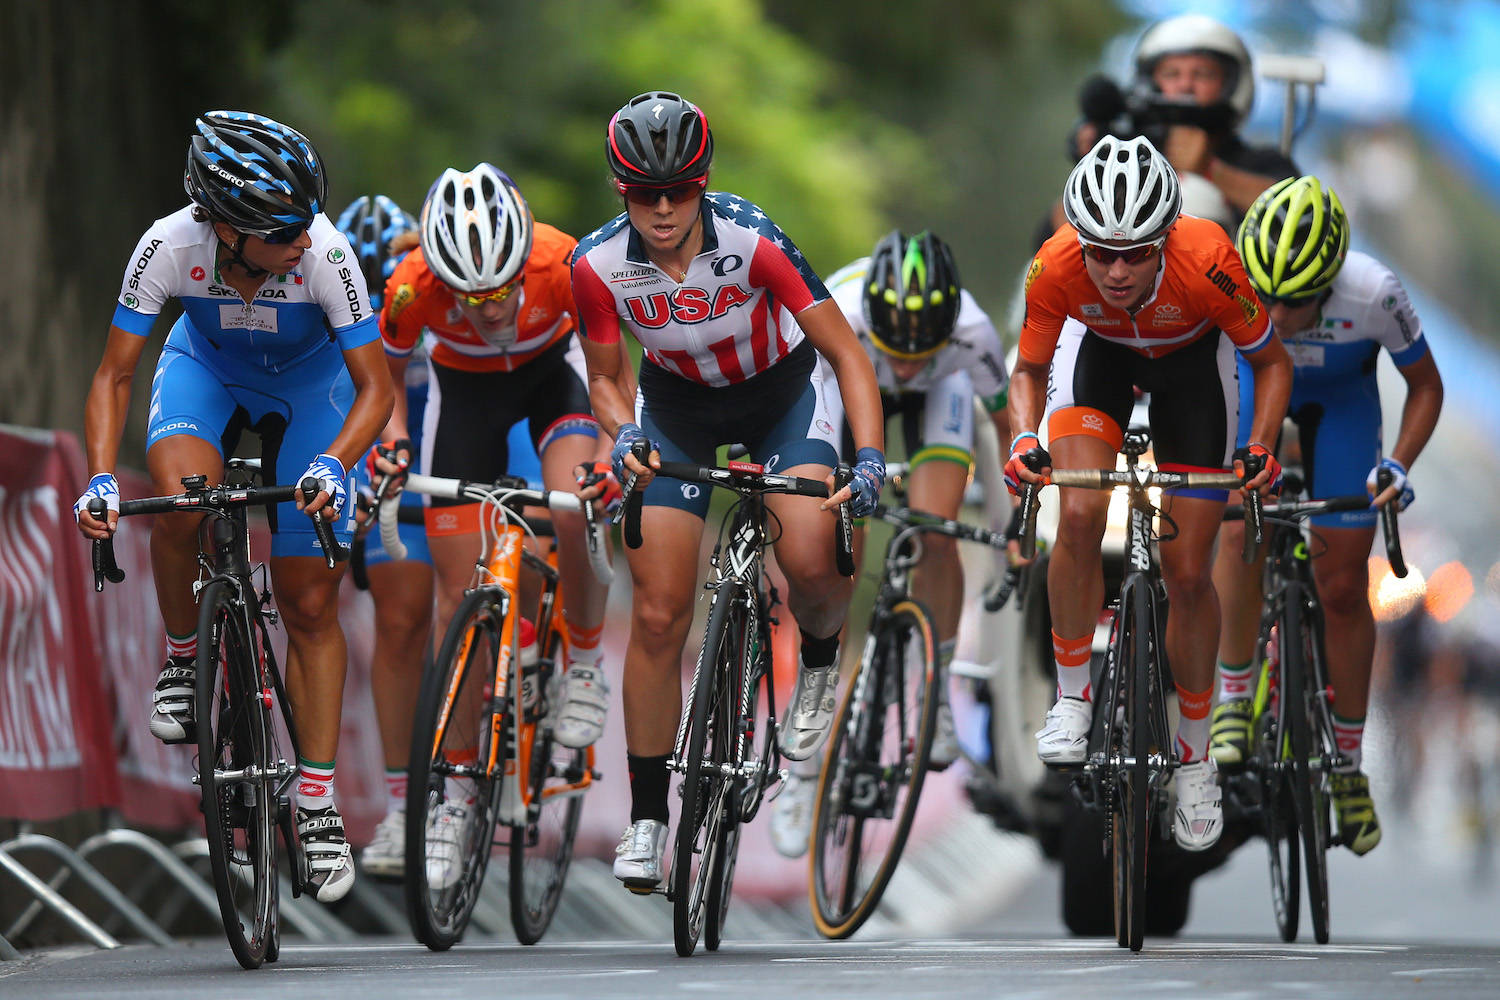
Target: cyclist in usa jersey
<point x="1335" y="310"/>
<point x="701" y="280"/>
<point x="1130" y="293"/>
<point x="276" y="335"/>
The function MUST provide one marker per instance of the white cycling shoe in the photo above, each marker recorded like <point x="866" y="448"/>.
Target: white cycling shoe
<point x="945" y="749"/>
<point x="792" y="816"/>
<point x="445" y="844"/>
<point x="582" y="706"/>
<point x="638" y="858"/>
<point x="1199" y="817"/>
<point x="330" y="863"/>
<point x="809" y="712"/>
<point x="1064" y="736"/>
<point x="385" y="855"/>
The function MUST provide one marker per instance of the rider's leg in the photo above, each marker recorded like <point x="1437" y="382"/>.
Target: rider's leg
<point x="1238" y="587"/>
<point x="403" y="619"/>
<point x="1343" y="588"/>
<point x="937" y="486"/>
<point x="1192" y="638"/>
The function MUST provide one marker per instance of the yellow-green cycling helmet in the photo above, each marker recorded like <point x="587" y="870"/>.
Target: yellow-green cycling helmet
<point x="1294" y="239"/>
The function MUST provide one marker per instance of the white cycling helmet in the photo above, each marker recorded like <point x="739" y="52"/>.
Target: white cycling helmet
<point x="476" y="229"/>
<point x="1123" y="189"/>
<point x="1201" y="33"/>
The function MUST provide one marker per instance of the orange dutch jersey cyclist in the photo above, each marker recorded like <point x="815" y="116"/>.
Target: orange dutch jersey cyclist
<point x="493" y="288"/>
<point x="1133" y="294"/>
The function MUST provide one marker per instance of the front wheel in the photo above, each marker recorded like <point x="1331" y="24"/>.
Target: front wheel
<point x="451" y="803"/>
<point x="1309" y="782"/>
<point x="234" y="736"/>
<point x="1131" y="798"/>
<point x="874" y="769"/>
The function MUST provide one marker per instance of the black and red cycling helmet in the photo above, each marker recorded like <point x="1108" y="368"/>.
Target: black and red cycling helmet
<point x="659" y="139"/>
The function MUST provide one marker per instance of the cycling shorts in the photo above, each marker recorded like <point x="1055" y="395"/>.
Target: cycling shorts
<point x="297" y="414"/>
<point x="781" y="415"/>
<point x="1194" y="406"/>
<point x="1339" y="427"/>
<point x="469" y="417"/>
<point x="937" y="424"/>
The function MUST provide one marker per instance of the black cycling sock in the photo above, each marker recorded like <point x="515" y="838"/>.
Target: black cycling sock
<point x="819" y="653"/>
<point x="648" y="787"/>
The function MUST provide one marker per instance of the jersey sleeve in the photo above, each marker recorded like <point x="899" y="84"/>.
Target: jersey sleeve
<point x="339" y="287"/>
<point x="1395" y="324"/>
<point x="986" y="357"/>
<point x="776" y="268"/>
<point x="147" y="284"/>
<point x="1232" y="303"/>
<point x="1046" y="309"/>
<point x="597" y="319"/>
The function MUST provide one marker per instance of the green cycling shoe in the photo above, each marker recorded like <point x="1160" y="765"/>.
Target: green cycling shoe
<point x="1229" y="735"/>
<point x="1359" y="829"/>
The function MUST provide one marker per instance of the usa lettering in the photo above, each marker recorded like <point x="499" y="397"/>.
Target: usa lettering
<point x="686" y="305"/>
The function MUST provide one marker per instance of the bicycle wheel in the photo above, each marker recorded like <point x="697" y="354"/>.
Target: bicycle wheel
<point x="736" y="700"/>
<point x="873" y="770"/>
<point x="234" y="735"/>
<point x="542" y="849"/>
<point x="705" y="789"/>
<point x="451" y="806"/>
<point x="1309" y="782"/>
<point x="1131" y="800"/>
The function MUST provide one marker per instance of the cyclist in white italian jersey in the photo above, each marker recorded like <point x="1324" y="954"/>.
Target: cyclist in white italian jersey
<point x="701" y="280"/>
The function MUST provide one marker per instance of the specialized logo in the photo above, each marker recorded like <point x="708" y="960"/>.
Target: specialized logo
<point x="1221" y="281"/>
<point x="1036" y="268"/>
<point x="405" y="295"/>
<point x="197" y="274"/>
<point x="1092" y="309"/>
<point x="350" y="292"/>
<point x="1249" y="308"/>
<point x="657" y="110"/>
<point x="141" y="262"/>
<point x="1166" y="313"/>
<point x="686" y="305"/>
<point x="336" y="256"/>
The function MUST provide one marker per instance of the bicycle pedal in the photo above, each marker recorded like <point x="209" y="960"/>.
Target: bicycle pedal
<point x="641" y="890"/>
<point x="1063" y="768"/>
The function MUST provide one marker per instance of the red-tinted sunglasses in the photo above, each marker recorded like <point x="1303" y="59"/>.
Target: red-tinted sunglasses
<point x="1108" y="255"/>
<point x="677" y="194"/>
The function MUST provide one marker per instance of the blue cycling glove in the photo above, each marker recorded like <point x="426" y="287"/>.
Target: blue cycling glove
<point x="1404" y="493"/>
<point x="106" y="488"/>
<point x="869" y="477"/>
<point x="331" y="471"/>
<point x="627" y="435"/>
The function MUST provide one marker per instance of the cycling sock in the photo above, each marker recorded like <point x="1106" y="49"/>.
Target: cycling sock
<point x="648" y="787"/>
<point x="182" y="647"/>
<point x="1234" y="681"/>
<point x="1192" y="728"/>
<point x="944" y="661"/>
<point x="807" y="769"/>
<point x="819" y="654"/>
<point x="583" y="643"/>
<point x="1350" y="736"/>
<point x="1073" y="656"/>
<point x="314" y="784"/>
<point x="395" y="789"/>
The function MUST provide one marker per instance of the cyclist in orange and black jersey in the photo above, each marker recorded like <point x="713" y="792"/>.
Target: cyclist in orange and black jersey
<point x="1129" y="294"/>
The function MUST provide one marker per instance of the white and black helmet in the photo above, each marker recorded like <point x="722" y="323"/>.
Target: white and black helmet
<point x="476" y="229"/>
<point x="1200" y="33"/>
<point x="1122" y="189"/>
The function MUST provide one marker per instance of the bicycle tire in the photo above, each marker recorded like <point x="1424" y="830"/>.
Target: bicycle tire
<point x="736" y="667"/>
<point x="1310" y="801"/>
<point x="455" y="683"/>
<point x="703" y="791"/>
<point x="239" y="817"/>
<point x="874" y="770"/>
<point x="541" y="851"/>
<point x="1132" y="797"/>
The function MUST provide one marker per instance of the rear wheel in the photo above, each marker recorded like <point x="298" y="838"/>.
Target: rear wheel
<point x="873" y="771"/>
<point x="450" y="803"/>
<point x="235" y="736"/>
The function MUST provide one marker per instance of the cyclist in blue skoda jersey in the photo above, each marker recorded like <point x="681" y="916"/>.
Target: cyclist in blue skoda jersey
<point x="1334" y="309"/>
<point x="276" y="335"/>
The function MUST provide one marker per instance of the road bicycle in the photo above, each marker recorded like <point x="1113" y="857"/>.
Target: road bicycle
<point x="724" y="778"/>
<point x="483" y="755"/>
<point x="246" y="762"/>
<point x="877" y="754"/>
<point x="1288" y="773"/>
<point x="1131" y="754"/>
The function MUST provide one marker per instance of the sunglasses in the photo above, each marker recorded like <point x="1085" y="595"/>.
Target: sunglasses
<point x="498" y="295"/>
<point x="1130" y="255"/>
<point x="677" y="194"/>
<point x="283" y="236"/>
<point x="1288" y="301"/>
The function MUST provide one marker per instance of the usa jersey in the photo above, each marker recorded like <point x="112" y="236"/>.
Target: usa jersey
<point x="293" y="316"/>
<point x="725" y="321"/>
<point x="1367" y="310"/>
<point x="974" y="347"/>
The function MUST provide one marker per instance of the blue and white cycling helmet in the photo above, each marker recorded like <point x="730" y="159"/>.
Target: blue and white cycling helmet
<point x="255" y="174"/>
<point x="370" y="223"/>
